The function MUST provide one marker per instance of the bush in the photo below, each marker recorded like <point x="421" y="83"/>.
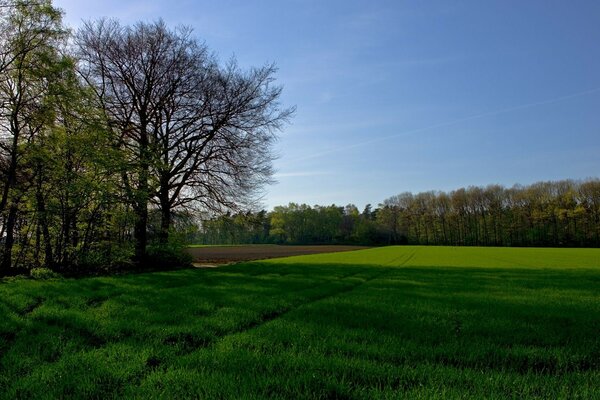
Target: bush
<point x="170" y="255"/>
<point x="106" y="258"/>
<point x="44" y="273"/>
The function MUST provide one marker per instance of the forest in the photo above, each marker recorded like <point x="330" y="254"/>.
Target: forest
<point x="109" y="131"/>
<point x="557" y="214"/>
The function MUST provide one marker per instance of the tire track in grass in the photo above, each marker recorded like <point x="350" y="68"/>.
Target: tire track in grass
<point x="406" y="258"/>
<point x="268" y="317"/>
<point x="205" y="343"/>
<point x="31" y="307"/>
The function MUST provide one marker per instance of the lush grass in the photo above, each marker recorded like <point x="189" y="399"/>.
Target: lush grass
<point x="479" y="257"/>
<point x="402" y="322"/>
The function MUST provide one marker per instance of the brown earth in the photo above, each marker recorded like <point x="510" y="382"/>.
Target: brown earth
<point x="214" y="255"/>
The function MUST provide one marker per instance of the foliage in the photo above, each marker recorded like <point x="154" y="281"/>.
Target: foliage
<point x="562" y="213"/>
<point x="103" y="129"/>
<point x="30" y="64"/>
<point x="105" y="257"/>
<point x="381" y="323"/>
<point x="43" y="273"/>
<point x="171" y="254"/>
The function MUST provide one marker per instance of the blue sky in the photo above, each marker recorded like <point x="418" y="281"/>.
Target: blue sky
<point x="397" y="96"/>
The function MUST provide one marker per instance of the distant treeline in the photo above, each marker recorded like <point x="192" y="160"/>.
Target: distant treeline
<point x="562" y="213"/>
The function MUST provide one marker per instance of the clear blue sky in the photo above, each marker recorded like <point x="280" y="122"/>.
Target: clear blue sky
<point x="397" y="96"/>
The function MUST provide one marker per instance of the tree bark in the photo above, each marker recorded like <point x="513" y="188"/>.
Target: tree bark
<point x="140" y="234"/>
<point x="165" y="216"/>
<point x="43" y="224"/>
<point x="10" y="238"/>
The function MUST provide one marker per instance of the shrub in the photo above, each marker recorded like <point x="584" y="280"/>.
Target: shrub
<point x="106" y="257"/>
<point x="170" y="255"/>
<point x="44" y="273"/>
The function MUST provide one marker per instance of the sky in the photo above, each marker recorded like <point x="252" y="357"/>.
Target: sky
<point x="396" y="96"/>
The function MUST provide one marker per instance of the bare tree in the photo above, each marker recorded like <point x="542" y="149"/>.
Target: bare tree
<point x="194" y="133"/>
<point x="222" y="156"/>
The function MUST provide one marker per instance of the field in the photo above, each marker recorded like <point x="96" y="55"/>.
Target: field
<point x="395" y="322"/>
<point x="226" y="254"/>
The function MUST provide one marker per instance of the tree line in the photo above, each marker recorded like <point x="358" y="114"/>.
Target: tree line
<point x="561" y="213"/>
<point x="111" y="134"/>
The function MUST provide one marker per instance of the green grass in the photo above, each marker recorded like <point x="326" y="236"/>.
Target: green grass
<point x="397" y="322"/>
<point x="443" y="256"/>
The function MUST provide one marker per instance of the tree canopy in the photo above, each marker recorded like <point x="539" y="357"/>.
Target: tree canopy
<point x="108" y="130"/>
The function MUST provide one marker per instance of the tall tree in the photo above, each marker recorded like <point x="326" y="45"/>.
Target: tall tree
<point x="74" y="164"/>
<point x="32" y="33"/>
<point x="195" y="133"/>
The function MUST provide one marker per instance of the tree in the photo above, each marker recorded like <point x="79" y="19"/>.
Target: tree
<point x="195" y="133"/>
<point x="30" y="61"/>
<point x="74" y="168"/>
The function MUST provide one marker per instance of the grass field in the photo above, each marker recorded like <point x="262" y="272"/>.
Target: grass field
<point x="397" y="322"/>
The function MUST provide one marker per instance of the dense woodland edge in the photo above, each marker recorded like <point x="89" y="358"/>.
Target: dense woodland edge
<point x="547" y="214"/>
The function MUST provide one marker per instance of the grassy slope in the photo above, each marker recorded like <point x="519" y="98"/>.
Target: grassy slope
<point x="484" y="324"/>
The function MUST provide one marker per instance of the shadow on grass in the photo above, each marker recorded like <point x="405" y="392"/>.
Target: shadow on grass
<point x="525" y="321"/>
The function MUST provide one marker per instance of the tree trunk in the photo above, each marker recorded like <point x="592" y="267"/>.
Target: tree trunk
<point x="141" y="222"/>
<point x="66" y="234"/>
<point x="9" y="239"/>
<point x="165" y="210"/>
<point x="38" y="245"/>
<point x="9" y="226"/>
<point x="139" y="233"/>
<point x="165" y="223"/>
<point x="11" y="176"/>
<point x="43" y="223"/>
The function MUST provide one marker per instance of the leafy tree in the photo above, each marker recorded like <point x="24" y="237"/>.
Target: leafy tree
<point x="75" y="173"/>
<point x="30" y="61"/>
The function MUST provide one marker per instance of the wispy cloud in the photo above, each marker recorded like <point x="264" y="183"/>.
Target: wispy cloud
<point x="362" y="20"/>
<point x="326" y="97"/>
<point x="448" y="123"/>
<point x="298" y="174"/>
<point x="336" y="126"/>
<point x="421" y="62"/>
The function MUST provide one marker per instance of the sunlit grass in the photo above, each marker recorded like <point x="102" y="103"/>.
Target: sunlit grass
<point x="446" y="256"/>
<point x="398" y="322"/>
